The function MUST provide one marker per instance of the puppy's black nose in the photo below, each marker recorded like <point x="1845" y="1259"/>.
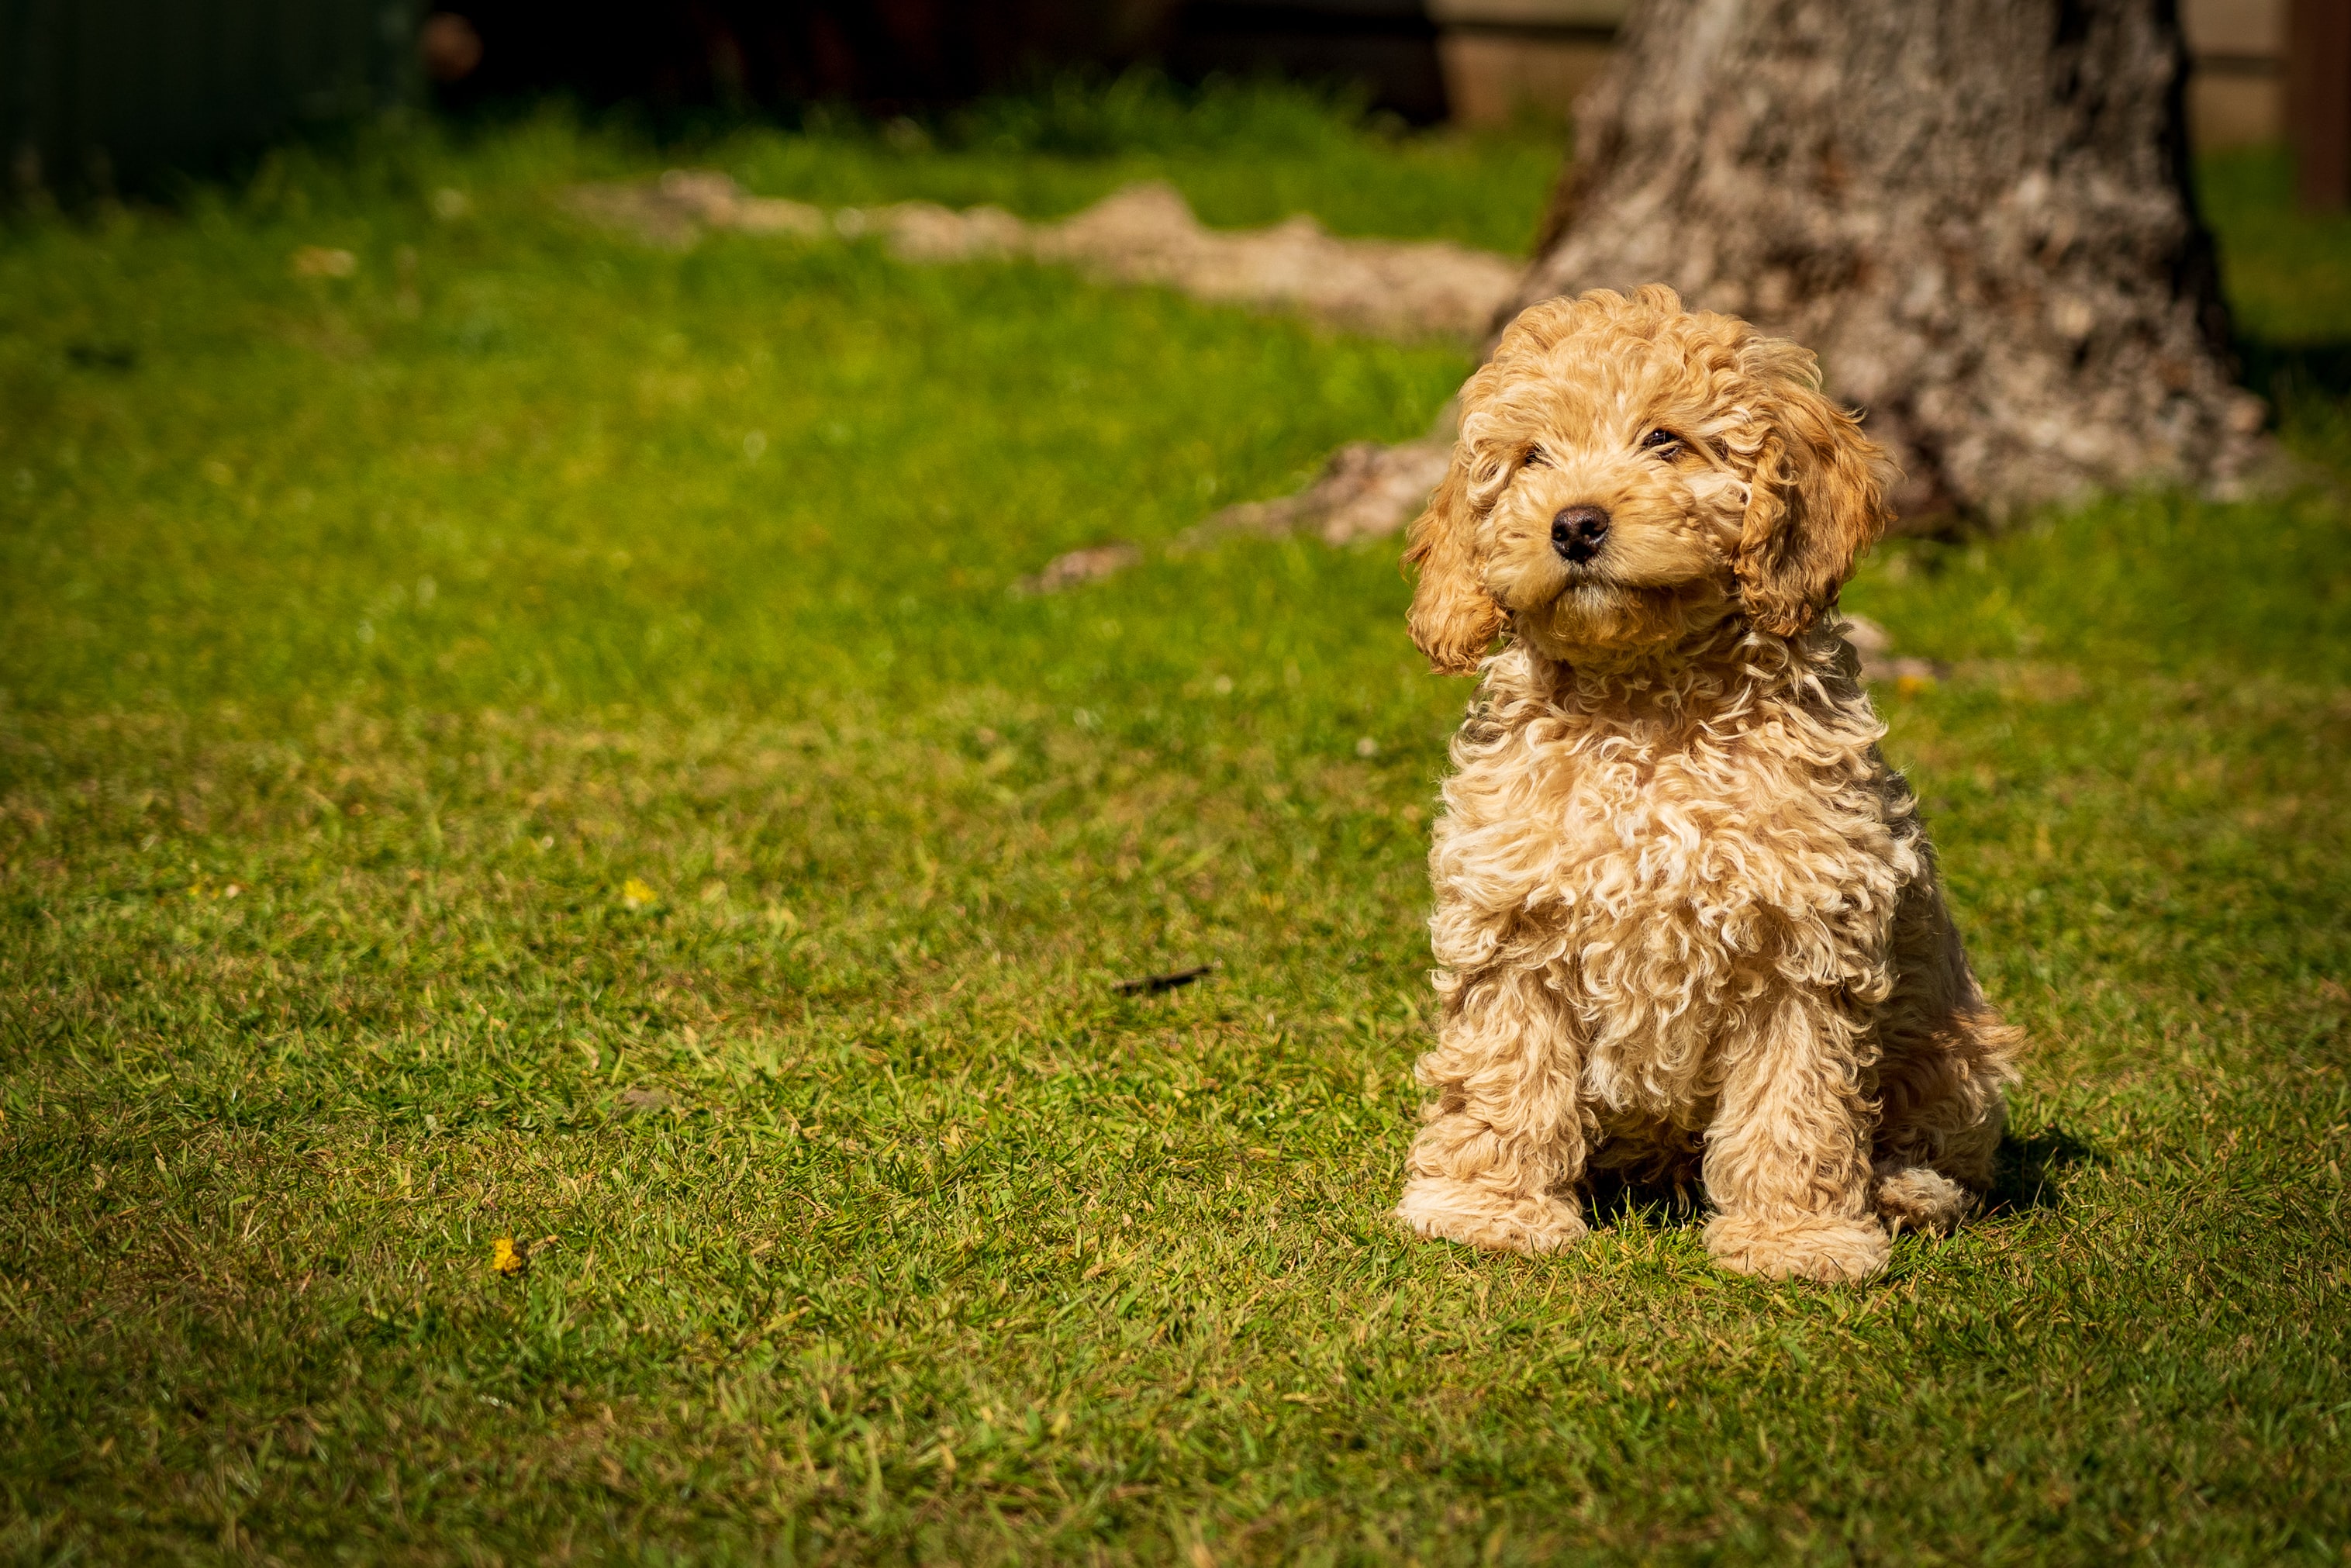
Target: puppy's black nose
<point x="1577" y="531"/>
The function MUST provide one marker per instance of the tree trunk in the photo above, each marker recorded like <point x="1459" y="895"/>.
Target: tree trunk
<point x="1977" y="212"/>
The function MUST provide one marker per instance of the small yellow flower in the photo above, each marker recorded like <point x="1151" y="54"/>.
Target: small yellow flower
<point x="636" y="893"/>
<point x="505" y="1257"/>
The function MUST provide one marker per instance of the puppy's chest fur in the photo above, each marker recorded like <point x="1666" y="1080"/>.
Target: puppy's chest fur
<point x="1673" y="868"/>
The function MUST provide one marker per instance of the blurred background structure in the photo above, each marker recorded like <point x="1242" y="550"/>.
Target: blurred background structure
<point x="97" y="94"/>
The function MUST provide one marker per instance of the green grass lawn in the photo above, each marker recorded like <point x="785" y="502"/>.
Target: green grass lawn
<point x="534" y="740"/>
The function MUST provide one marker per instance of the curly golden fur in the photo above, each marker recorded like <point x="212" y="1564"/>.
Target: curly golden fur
<point x="1687" y="918"/>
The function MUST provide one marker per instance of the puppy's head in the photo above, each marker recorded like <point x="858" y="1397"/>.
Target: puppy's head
<point x="1629" y="473"/>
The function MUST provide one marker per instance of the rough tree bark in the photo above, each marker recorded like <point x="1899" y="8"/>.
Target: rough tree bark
<point x="1976" y="211"/>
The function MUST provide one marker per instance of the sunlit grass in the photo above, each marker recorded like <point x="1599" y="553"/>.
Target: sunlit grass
<point x="459" y="785"/>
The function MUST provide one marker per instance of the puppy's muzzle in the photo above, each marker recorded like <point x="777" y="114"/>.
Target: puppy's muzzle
<point x="1578" y="532"/>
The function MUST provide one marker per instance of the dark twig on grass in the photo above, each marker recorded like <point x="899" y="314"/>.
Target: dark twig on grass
<point x="1155" y="984"/>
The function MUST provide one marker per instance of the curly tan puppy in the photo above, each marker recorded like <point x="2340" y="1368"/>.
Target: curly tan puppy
<point x="1687" y="916"/>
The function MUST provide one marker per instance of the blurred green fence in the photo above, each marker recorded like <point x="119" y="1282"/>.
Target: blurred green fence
<point x="103" y="95"/>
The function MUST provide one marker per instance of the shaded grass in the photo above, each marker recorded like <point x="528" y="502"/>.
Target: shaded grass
<point x="2284" y="268"/>
<point x="455" y="787"/>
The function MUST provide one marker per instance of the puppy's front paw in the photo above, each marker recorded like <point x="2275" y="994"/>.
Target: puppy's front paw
<point x="1923" y="1199"/>
<point x="1438" y="1209"/>
<point x="1807" y="1248"/>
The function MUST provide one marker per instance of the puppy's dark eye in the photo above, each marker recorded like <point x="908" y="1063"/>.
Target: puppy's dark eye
<point x="1657" y="440"/>
<point x="1536" y="457"/>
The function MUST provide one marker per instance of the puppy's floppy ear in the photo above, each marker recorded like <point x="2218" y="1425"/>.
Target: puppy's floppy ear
<point x="1817" y="499"/>
<point x="1452" y="617"/>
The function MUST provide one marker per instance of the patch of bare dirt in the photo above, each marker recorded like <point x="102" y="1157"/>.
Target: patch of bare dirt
<point x="1365" y="491"/>
<point x="1144" y="234"/>
<point x="675" y="209"/>
<point x="1080" y="566"/>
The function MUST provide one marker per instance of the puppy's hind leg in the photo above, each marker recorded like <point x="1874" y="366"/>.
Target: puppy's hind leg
<point x="1944" y="1110"/>
<point x="1497" y="1164"/>
<point x="1945" y="1058"/>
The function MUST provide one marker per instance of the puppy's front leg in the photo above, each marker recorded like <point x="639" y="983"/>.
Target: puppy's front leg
<point x="1787" y="1159"/>
<point x="1497" y="1164"/>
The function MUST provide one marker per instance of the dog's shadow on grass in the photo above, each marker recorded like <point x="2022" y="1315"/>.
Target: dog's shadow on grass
<point x="2028" y="1174"/>
<point x="1611" y="1199"/>
<point x="2029" y="1171"/>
